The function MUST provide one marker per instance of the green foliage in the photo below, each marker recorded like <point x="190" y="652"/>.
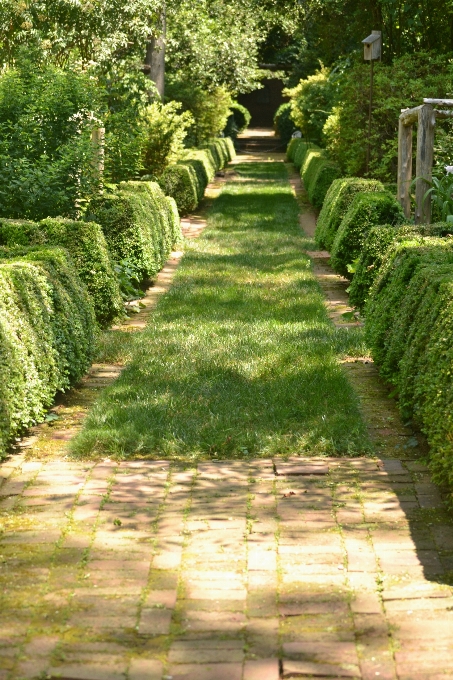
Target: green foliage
<point x="292" y="148"/>
<point x="441" y="195"/>
<point x="88" y="249"/>
<point x="403" y="84"/>
<point x="367" y="210"/>
<point x="213" y="43"/>
<point x="181" y="182"/>
<point x="337" y="201"/>
<point x="375" y="247"/>
<point x="209" y="108"/>
<point x="46" y="154"/>
<point x="301" y="151"/>
<point x="138" y="222"/>
<point x="409" y="327"/>
<point x="165" y="129"/>
<point x="238" y="120"/>
<point x="318" y="173"/>
<point x="47" y="334"/>
<point x="186" y="181"/>
<point x="283" y="123"/>
<point x="311" y="103"/>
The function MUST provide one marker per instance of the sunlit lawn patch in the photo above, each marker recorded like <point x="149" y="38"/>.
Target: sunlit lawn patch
<point x="239" y="359"/>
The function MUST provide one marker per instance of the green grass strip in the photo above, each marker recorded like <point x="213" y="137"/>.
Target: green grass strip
<point x="239" y="358"/>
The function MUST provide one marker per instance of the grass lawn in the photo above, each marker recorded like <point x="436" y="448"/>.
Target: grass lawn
<point x="239" y="358"/>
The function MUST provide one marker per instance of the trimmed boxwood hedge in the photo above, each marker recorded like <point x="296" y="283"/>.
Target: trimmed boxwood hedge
<point x="301" y="152"/>
<point x="47" y="333"/>
<point x="337" y="201"/>
<point x="138" y="224"/>
<point x="86" y="244"/>
<point x="318" y="173"/>
<point x="409" y="326"/>
<point x="366" y="211"/>
<point x="377" y="242"/>
<point x="186" y="180"/>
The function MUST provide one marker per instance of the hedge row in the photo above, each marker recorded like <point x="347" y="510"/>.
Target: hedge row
<point x="140" y="224"/>
<point x="366" y="210"/>
<point x="339" y="197"/>
<point x="186" y="180"/>
<point x="409" y="326"/>
<point x="375" y="247"/>
<point x="317" y="171"/>
<point x="47" y="333"/>
<point x="87" y="246"/>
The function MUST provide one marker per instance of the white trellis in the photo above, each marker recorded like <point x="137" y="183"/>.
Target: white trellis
<point x="425" y="116"/>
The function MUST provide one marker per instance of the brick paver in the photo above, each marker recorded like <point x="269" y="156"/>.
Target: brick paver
<point x="150" y="571"/>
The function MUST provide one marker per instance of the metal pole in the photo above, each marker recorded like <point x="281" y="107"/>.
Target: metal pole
<point x="368" y="151"/>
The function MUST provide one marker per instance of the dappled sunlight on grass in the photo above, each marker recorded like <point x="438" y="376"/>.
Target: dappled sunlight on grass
<point x="239" y="358"/>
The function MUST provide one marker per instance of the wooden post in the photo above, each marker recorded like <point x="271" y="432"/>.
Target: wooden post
<point x="370" y="114"/>
<point x="404" y="166"/>
<point x="97" y="139"/>
<point x="424" y="163"/>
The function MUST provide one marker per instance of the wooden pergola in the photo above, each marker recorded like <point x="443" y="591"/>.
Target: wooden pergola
<point x="425" y="116"/>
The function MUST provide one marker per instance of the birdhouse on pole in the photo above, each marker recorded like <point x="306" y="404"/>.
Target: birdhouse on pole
<point x="372" y="46"/>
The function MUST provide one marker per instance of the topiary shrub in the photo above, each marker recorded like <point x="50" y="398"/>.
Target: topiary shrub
<point x="180" y="181"/>
<point x="376" y="245"/>
<point x="283" y="123"/>
<point x="318" y="173"/>
<point x="366" y="211"/>
<point x="409" y="326"/>
<point x="292" y="148"/>
<point x="47" y="333"/>
<point x="86" y="244"/>
<point x="336" y="203"/>
<point x="301" y="152"/>
<point x="238" y="120"/>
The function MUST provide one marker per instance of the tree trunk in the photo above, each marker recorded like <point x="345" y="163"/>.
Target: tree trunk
<point x="155" y="56"/>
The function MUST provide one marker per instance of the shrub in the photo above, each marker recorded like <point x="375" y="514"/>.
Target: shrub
<point x="238" y="120"/>
<point x="283" y="123"/>
<point x="376" y="244"/>
<point x="311" y="103"/>
<point x="137" y="222"/>
<point x="409" y="325"/>
<point x="292" y="148"/>
<point x="165" y="129"/>
<point x="180" y="181"/>
<point x="86" y="244"/>
<point x="46" y="154"/>
<point x="337" y="201"/>
<point x="366" y="210"/>
<point x="47" y="333"/>
<point x="318" y="173"/>
<point x="301" y="152"/>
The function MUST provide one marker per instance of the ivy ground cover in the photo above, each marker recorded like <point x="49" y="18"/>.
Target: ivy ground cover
<point x="239" y="358"/>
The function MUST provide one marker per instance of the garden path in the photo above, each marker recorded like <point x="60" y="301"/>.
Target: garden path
<point x="324" y="568"/>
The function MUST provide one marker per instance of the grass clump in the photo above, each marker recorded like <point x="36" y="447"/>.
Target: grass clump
<point x="239" y="358"/>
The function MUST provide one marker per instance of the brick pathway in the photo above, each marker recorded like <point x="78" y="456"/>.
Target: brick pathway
<point x="228" y="571"/>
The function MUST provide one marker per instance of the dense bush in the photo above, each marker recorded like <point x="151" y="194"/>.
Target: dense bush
<point x="337" y="201"/>
<point x="283" y="123"/>
<point x="292" y="148"/>
<point x="209" y="108"/>
<point x="300" y="152"/>
<point x="47" y="332"/>
<point x="409" y="328"/>
<point x="402" y="84"/>
<point x="86" y="244"/>
<point x="181" y="182"/>
<point x="318" y="173"/>
<point x="186" y="181"/>
<point x="138" y="224"/>
<point x="164" y="131"/>
<point x="238" y="120"/>
<point x="46" y="154"/>
<point x="367" y="210"/>
<point x="311" y="102"/>
<point x="376" y="245"/>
